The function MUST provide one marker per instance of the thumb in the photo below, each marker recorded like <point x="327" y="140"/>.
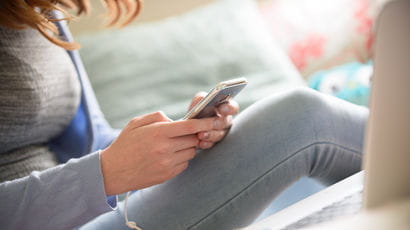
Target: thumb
<point x="149" y="119"/>
<point x="197" y="98"/>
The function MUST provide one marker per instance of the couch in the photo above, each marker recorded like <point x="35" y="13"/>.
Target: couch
<point x="161" y="65"/>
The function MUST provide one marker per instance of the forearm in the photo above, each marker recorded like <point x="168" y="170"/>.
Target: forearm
<point x="62" y="197"/>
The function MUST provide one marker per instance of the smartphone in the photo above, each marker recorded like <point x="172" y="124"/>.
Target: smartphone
<point x="220" y="94"/>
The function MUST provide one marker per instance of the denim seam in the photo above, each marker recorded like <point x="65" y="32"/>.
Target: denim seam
<point x="355" y="152"/>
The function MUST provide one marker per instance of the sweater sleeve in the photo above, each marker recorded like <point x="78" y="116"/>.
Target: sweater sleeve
<point x="62" y="197"/>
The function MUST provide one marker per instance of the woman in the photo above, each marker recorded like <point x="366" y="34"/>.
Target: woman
<point x="49" y="115"/>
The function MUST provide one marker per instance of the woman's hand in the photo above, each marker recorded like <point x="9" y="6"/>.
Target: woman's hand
<point x="150" y="150"/>
<point x="225" y="112"/>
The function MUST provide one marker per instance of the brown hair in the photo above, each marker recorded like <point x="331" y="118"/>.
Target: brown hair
<point x="20" y="14"/>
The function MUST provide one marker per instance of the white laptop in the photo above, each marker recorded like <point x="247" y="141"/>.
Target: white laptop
<point x="386" y="178"/>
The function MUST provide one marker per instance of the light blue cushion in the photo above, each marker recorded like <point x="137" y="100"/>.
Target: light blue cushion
<point x="160" y="66"/>
<point x="350" y="82"/>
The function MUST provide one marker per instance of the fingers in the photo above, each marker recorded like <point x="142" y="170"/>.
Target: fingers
<point x="229" y="108"/>
<point x="209" y="138"/>
<point x="212" y="136"/>
<point x="148" y="119"/>
<point x="181" y="160"/>
<point x="180" y="168"/>
<point x="191" y="126"/>
<point x="206" y="144"/>
<point x="184" y="142"/>
<point x="184" y="156"/>
<point x="194" y="126"/>
<point x="223" y="122"/>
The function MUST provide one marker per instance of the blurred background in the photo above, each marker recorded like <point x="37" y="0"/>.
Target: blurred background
<point x="325" y="45"/>
<point x="177" y="48"/>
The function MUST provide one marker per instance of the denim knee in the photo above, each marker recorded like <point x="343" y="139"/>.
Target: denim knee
<point x="305" y="113"/>
<point x="305" y="101"/>
<point x="312" y="114"/>
<point x="325" y="118"/>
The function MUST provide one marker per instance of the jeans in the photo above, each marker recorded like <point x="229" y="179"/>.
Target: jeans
<point x="271" y="144"/>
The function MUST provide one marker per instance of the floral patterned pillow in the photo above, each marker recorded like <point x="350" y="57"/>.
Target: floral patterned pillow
<point x="318" y="34"/>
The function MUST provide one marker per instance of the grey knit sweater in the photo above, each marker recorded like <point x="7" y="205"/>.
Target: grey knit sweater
<point x="39" y="95"/>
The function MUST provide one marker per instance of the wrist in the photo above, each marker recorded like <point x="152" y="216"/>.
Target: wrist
<point x="108" y="173"/>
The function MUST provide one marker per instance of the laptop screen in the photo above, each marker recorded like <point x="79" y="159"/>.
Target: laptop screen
<point x="387" y="147"/>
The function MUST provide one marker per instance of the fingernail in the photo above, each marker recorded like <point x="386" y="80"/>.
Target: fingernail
<point x="217" y="123"/>
<point x="205" y="135"/>
<point x="206" y="145"/>
<point x="224" y="108"/>
<point x="229" y="120"/>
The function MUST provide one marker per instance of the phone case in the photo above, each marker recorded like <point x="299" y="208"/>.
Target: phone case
<point x="218" y="95"/>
